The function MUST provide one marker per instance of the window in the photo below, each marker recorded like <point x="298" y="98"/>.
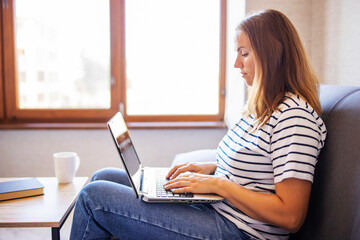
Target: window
<point x="171" y="34"/>
<point x="57" y="64"/>
<point x="62" y="60"/>
<point x="83" y="60"/>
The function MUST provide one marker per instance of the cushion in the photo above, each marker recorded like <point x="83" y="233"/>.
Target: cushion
<point x="203" y="155"/>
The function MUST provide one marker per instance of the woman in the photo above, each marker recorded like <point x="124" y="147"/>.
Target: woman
<point x="265" y="164"/>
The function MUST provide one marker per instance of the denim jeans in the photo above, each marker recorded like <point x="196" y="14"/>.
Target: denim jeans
<point x="107" y="208"/>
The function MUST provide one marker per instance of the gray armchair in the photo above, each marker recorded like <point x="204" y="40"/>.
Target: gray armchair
<point x="334" y="210"/>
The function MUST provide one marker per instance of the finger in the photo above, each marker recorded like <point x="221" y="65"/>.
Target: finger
<point x="182" y="190"/>
<point x="172" y="170"/>
<point x="170" y="183"/>
<point x="175" y="184"/>
<point x="181" y="170"/>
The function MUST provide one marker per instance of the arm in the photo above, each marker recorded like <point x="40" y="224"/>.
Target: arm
<point x="286" y="209"/>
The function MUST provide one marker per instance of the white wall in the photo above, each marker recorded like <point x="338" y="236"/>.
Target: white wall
<point x="235" y="85"/>
<point x="330" y="31"/>
<point x="27" y="153"/>
<point x="336" y="41"/>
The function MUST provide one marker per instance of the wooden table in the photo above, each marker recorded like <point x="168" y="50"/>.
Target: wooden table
<point x="48" y="210"/>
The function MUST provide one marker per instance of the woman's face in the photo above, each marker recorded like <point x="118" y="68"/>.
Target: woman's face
<point x="245" y="57"/>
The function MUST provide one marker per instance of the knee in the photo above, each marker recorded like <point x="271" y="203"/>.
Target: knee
<point x="92" y="191"/>
<point x="89" y="199"/>
<point x="103" y="174"/>
<point x="115" y="175"/>
<point x="99" y="193"/>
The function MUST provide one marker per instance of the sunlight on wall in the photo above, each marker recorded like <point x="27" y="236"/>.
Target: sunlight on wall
<point x="235" y="86"/>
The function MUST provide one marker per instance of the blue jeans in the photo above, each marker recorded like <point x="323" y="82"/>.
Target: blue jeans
<point x="107" y="208"/>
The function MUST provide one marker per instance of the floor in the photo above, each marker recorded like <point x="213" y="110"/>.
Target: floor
<point x="35" y="233"/>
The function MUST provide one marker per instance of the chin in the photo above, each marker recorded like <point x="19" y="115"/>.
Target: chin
<point x="248" y="82"/>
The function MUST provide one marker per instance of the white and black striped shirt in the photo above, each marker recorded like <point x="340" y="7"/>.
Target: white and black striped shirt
<point x="287" y="146"/>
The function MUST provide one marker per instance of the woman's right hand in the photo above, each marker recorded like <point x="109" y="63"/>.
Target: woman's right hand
<point x="202" y="168"/>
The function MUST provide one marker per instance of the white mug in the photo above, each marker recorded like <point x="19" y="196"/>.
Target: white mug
<point x="66" y="164"/>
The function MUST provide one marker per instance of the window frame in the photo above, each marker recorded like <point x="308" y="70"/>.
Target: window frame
<point x="2" y="99"/>
<point x="15" y="114"/>
<point x="11" y="113"/>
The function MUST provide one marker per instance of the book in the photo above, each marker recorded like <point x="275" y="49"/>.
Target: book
<point x="20" y="188"/>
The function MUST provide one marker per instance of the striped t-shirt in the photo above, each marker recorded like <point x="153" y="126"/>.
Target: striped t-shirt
<point x="287" y="146"/>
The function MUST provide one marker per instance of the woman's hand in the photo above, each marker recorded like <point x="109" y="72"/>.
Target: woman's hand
<point x="193" y="183"/>
<point x="203" y="168"/>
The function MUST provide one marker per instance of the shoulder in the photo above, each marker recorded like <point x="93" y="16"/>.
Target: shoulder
<point x="297" y="136"/>
<point x="295" y="108"/>
<point x="295" y="115"/>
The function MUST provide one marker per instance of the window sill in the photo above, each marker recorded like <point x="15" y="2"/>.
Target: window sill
<point x="131" y="125"/>
<point x="219" y="124"/>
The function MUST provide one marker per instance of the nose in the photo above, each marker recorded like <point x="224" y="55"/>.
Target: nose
<point x="238" y="62"/>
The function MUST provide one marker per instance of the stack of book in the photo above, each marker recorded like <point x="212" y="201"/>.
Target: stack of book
<point x="20" y="188"/>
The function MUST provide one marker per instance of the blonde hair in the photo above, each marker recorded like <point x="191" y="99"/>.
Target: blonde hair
<point x="281" y="65"/>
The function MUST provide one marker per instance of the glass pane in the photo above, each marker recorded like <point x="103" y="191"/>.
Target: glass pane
<point x="172" y="57"/>
<point x="63" y="54"/>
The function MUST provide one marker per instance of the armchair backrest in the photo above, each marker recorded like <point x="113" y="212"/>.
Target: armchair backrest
<point x="334" y="210"/>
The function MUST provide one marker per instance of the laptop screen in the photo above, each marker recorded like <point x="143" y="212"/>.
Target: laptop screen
<point x="121" y="136"/>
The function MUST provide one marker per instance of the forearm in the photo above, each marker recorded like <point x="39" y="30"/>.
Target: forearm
<point x="268" y="208"/>
<point x="260" y="206"/>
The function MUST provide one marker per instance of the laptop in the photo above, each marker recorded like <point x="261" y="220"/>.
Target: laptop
<point x="147" y="182"/>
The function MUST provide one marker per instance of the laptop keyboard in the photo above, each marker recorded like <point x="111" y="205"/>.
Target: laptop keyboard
<point x="161" y="192"/>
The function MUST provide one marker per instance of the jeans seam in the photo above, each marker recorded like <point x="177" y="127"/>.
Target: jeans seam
<point x="137" y="219"/>
<point x="87" y="230"/>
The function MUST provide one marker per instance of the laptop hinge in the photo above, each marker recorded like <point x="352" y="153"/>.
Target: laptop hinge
<point x="142" y="186"/>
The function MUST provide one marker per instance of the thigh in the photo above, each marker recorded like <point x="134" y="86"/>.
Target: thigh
<point x="117" y="210"/>
<point x="113" y="175"/>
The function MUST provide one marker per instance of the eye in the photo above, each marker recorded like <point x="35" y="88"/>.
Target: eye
<point x="244" y="54"/>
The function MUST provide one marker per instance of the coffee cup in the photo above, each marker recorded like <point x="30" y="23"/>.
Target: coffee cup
<point x="66" y="164"/>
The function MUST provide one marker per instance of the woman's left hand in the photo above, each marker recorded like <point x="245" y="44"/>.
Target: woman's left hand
<point x="193" y="183"/>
